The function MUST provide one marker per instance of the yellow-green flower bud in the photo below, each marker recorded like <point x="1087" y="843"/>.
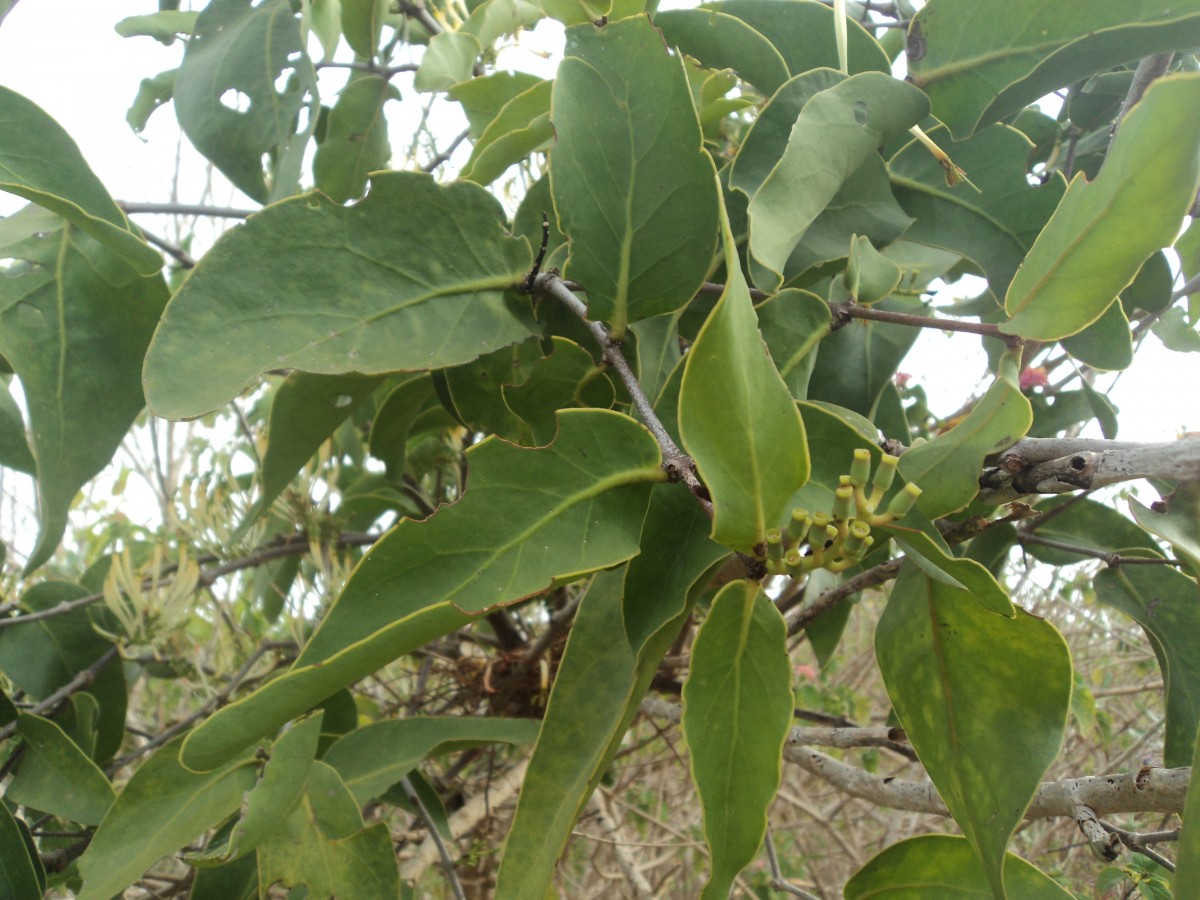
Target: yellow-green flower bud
<point x="843" y="497"/>
<point x="904" y="501"/>
<point x="798" y="526"/>
<point x="860" y="469"/>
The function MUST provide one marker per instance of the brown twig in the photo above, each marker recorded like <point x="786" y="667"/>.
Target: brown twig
<point x="447" y="153"/>
<point x="825" y="601"/>
<point x="848" y="310"/>
<point x="83" y="680"/>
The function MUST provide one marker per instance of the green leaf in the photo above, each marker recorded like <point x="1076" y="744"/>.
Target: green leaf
<point x="737" y="706"/>
<point x="995" y="226"/>
<point x="855" y="363"/>
<point x="980" y="62"/>
<point x="448" y="61"/>
<point x="802" y="32"/>
<point x="393" y="419"/>
<point x="963" y="681"/>
<point x="858" y="115"/>
<point x="492" y="19"/>
<point x="226" y="97"/>
<point x="1102" y="232"/>
<point x="1164" y="603"/>
<point x="929" y="553"/>
<point x="305" y="411"/>
<point x="632" y="184"/>
<point x="601" y="681"/>
<point x="377" y="287"/>
<point x="496" y="545"/>
<point x="738" y="420"/>
<point x="152" y="93"/>
<point x="41" y="657"/>
<point x="1090" y="525"/>
<point x="576" y="12"/>
<point x="1187" y="859"/>
<point x="356" y="138"/>
<point x="276" y="793"/>
<point x="324" y="846"/>
<point x="55" y="776"/>
<point x="944" y="867"/>
<point x="566" y="378"/>
<point x="162" y="807"/>
<point x="373" y="758"/>
<point x="1106" y="344"/>
<point x="1151" y="289"/>
<point x="947" y="467"/>
<point x="164" y="25"/>
<point x="362" y="25"/>
<point x="870" y="276"/>
<point x="73" y="326"/>
<point x="40" y="162"/>
<point x="14" y="447"/>
<point x="482" y="98"/>
<point x="793" y="324"/>
<point x="721" y="41"/>
<point x="521" y="127"/>
<point x="657" y="351"/>
<point x="19" y="869"/>
<point x="1179" y="525"/>
<point x="1176" y="332"/>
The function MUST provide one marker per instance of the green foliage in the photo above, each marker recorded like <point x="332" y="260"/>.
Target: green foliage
<point x="579" y="491"/>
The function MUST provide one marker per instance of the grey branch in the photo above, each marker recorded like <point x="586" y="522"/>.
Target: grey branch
<point x="1061" y="465"/>
<point x="185" y="209"/>
<point x="1149" y="790"/>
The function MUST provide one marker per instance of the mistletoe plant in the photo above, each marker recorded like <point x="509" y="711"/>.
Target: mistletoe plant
<point x="638" y="428"/>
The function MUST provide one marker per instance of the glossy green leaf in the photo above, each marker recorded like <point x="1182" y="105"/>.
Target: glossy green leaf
<point x="393" y="419"/>
<point x="793" y="324"/>
<point x="448" y="61"/>
<point x="474" y="393"/>
<point x="870" y="276"/>
<point x="73" y="326"/>
<point x="929" y="553"/>
<point x="737" y="707"/>
<point x="1179" y="525"/>
<point x="855" y="363"/>
<point x="521" y="127"/>
<point x="1164" y="603"/>
<point x="14" y="446"/>
<point x="277" y="791"/>
<point x="226" y="97"/>
<point x="324" y="846"/>
<point x="601" y="680"/>
<point x="862" y="205"/>
<point x="944" y="867"/>
<point x="720" y="41"/>
<point x="57" y="777"/>
<point x="305" y="411"/>
<point x="947" y="467"/>
<point x="1103" y="230"/>
<point x="980" y="61"/>
<point x="632" y="184"/>
<point x="41" y="657"/>
<point x="356" y="138"/>
<point x="568" y="377"/>
<point x="373" y="758"/>
<point x="40" y="162"/>
<point x="962" y="681"/>
<point x="857" y="116"/>
<point x="161" y="808"/>
<point x="362" y="25"/>
<point x="738" y="420"/>
<point x="377" y="287"/>
<point x="496" y="545"/>
<point x="802" y="32"/>
<point x="1106" y="344"/>
<point x="18" y="869"/>
<point x="994" y="226"/>
<point x="1187" y="859"/>
<point x="482" y="98"/>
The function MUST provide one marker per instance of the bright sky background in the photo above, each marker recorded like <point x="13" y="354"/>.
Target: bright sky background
<point x="65" y="56"/>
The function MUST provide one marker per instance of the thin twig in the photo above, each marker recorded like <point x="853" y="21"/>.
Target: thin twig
<point x="847" y="310"/>
<point x="778" y="882"/>
<point x="432" y="831"/>
<point x="1111" y="559"/>
<point x="181" y="256"/>
<point x="447" y="153"/>
<point x="83" y="680"/>
<point x="1137" y="843"/>
<point x="1150" y="68"/>
<point x="826" y="600"/>
<point x="185" y="209"/>
<point x="382" y="71"/>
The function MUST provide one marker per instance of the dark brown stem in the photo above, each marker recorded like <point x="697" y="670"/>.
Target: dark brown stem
<point x="845" y="311"/>
<point x="832" y="597"/>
